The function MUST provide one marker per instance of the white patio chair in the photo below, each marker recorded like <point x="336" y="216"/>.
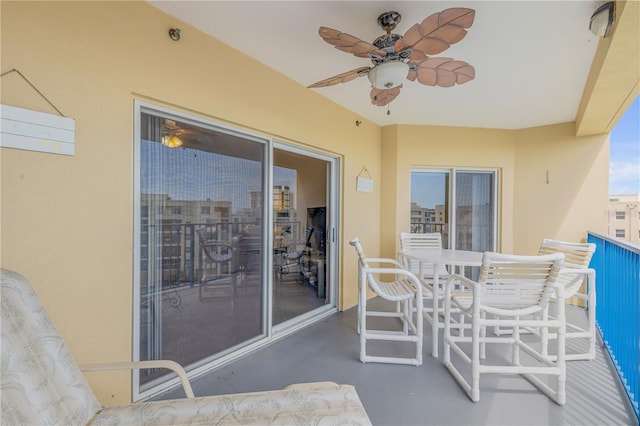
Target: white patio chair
<point x="293" y="256"/>
<point x="42" y="385"/>
<point x="405" y="288"/>
<point x="573" y="274"/>
<point x="511" y="291"/>
<point x="219" y="277"/>
<point x="425" y="241"/>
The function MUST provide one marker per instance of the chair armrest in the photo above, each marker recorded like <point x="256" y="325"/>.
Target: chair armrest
<point x="397" y="271"/>
<point x="135" y="365"/>
<point x="584" y="271"/>
<point x="385" y="260"/>
<point x="462" y="280"/>
<point x="572" y="286"/>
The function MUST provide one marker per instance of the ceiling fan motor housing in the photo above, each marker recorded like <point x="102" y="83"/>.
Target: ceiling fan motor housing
<point x="388" y="74"/>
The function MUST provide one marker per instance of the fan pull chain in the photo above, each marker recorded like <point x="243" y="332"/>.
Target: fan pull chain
<point x="388" y="110"/>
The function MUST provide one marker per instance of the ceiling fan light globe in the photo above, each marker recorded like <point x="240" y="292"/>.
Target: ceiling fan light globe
<point x="174" y="142"/>
<point x="388" y="75"/>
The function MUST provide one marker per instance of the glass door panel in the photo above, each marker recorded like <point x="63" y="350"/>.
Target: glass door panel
<point x="430" y="203"/>
<point x="300" y="230"/>
<point x="201" y="232"/>
<point x="475" y="213"/>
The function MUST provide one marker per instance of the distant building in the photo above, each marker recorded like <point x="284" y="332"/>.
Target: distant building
<point x="416" y="213"/>
<point x="428" y="220"/>
<point x="155" y="207"/>
<point x="624" y="217"/>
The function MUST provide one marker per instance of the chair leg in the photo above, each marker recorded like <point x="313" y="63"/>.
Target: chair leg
<point x="475" y="358"/>
<point x="515" y="334"/>
<point x="446" y="357"/>
<point x="544" y="333"/>
<point x="561" y="396"/>
<point x="435" y="326"/>
<point x="419" y="332"/>
<point x="362" y="321"/>
<point x="406" y="318"/>
<point x="483" y="334"/>
<point x="359" y="325"/>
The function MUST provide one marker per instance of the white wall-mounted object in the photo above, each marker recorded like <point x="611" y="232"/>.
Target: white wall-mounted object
<point x="36" y="131"/>
<point x="364" y="184"/>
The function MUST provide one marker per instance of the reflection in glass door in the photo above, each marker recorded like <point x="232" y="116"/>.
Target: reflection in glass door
<point x="201" y="237"/>
<point x="430" y="203"/>
<point x="301" y="213"/>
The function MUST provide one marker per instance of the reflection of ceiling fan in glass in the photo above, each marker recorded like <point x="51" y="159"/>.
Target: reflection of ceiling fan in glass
<point x="397" y="57"/>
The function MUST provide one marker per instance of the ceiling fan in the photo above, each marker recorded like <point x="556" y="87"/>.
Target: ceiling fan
<point x="397" y="57"/>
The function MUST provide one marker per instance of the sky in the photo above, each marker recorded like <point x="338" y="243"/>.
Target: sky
<point x="624" y="156"/>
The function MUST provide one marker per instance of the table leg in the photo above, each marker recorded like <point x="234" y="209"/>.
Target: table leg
<point x="435" y="316"/>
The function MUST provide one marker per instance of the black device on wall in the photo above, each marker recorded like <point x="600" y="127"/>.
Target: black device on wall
<point x="317" y="219"/>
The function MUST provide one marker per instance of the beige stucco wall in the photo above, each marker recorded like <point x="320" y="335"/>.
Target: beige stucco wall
<point x="67" y="220"/>
<point x="573" y="200"/>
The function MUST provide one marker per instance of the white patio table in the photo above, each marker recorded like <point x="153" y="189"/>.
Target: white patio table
<point x="438" y="257"/>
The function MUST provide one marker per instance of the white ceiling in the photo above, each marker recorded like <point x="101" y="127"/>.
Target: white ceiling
<point x="531" y="58"/>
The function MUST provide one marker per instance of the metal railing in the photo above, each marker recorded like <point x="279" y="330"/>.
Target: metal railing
<point x="172" y="253"/>
<point x="421" y="228"/>
<point x="617" y="265"/>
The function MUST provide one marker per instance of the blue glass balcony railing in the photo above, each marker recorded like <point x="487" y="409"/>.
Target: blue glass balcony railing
<point x="617" y="265"/>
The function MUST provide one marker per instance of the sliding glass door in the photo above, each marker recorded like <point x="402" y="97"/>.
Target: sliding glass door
<point x="201" y="242"/>
<point x="233" y="242"/>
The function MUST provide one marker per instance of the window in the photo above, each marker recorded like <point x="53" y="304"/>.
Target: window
<point x="459" y="204"/>
<point x="620" y="215"/>
<point x="620" y="233"/>
<point x="205" y="210"/>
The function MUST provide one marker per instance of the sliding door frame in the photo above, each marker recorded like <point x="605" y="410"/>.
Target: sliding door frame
<point x="332" y="185"/>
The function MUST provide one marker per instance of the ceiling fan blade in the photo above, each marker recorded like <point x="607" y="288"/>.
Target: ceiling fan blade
<point x="348" y="43"/>
<point x="438" y="31"/>
<point x="381" y="97"/>
<point x="443" y="72"/>
<point x="342" y="78"/>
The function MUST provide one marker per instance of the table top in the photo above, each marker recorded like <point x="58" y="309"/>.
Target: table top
<point x="445" y="256"/>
